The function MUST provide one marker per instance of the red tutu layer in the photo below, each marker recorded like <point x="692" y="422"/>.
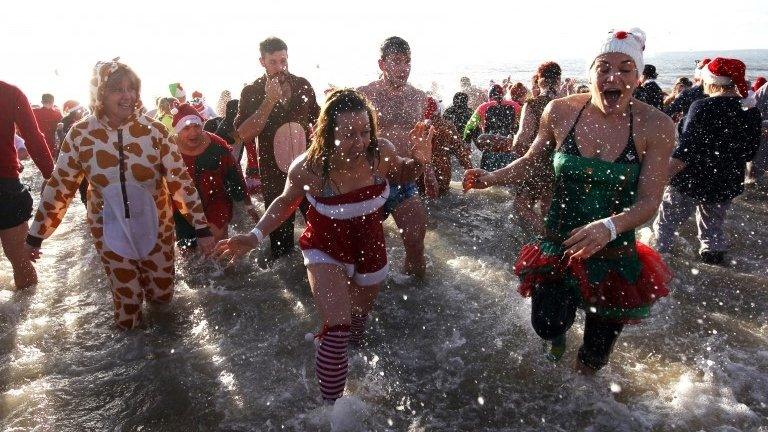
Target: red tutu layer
<point x="613" y="291"/>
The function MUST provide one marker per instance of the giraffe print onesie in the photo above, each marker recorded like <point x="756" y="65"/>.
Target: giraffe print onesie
<point x="137" y="155"/>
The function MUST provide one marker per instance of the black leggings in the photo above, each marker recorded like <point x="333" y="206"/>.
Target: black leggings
<point x="552" y="313"/>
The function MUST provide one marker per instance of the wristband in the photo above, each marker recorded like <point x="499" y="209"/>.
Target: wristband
<point x="259" y="235"/>
<point x="611" y="227"/>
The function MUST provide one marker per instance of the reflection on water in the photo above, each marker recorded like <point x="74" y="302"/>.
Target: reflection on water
<point x="455" y="352"/>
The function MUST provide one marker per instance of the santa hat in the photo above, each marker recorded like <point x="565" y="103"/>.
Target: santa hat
<point x="759" y="82"/>
<point x="186" y="115"/>
<point x="176" y="90"/>
<point x="496" y="92"/>
<point x="431" y="107"/>
<point x="699" y="66"/>
<point x="197" y="95"/>
<point x="725" y="71"/>
<point x="70" y="106"/>
<point x="630" y="42"/>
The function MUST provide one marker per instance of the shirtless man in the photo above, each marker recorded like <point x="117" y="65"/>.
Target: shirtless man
<point x="400" y="106"/>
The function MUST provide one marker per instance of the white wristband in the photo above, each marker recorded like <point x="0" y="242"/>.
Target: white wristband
<point x="259" y="235"/>
<point x="611" y="227"/>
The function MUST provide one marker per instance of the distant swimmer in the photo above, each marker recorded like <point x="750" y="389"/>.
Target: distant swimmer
<point x="134" y="172"/>
<point x="610" y="159"/>
<point x="346" y="176"/>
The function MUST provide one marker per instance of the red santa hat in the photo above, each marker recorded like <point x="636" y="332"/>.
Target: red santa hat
<point x="759" y="82"/>
<point x="186" y="115"/>
<point x="725" y="71"/>
<point x="197" y="95"/>
<point x="630" y="42"/>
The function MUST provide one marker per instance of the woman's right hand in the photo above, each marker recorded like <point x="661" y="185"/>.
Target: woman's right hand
<point x="235" y="246"/>
<point x="476" y="179"/>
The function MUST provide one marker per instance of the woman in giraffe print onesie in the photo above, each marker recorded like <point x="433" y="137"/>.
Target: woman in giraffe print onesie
<point x="134" y="172"/>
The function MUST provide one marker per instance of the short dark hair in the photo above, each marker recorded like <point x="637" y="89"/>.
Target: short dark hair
<point x="47" y="98"/>
<point x="549" y="71"/>
<point x="394" y="45"/>
<point x="271" y="45"/>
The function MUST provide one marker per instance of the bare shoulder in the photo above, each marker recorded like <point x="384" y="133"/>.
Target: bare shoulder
<point x="565" y="109"/>
<point x="368" y="89"/>
<point x="651" y="122"/>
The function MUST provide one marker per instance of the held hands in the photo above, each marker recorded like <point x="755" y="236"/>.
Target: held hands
<point x="421" y="142"/>
<point x="235" y="247"/>
<point x="273" y="90"/>
<point x="585" y="241"/>
<point x="476" y="179"/>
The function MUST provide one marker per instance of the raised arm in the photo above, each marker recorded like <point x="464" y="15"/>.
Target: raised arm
<point x="404" y="170"/>
<point x="250" y="124"/>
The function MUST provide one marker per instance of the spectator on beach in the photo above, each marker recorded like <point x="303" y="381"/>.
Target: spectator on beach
<point x="648" y="91"/>
<point x="679" y="108"/>
<point x="682" y="84"/>
<point x="716" y="140"/>
<point x="48" y="117"/>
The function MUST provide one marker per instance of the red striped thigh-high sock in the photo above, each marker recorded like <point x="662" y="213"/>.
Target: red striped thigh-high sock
<point x="357" y="329"/>
<point x="331" y="362"/>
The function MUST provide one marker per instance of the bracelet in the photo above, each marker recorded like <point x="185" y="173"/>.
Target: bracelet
<point x="259" y="235"/>
<point x="611" y="227"/>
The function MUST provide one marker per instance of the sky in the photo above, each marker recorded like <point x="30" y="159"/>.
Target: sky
<point x="51" y="46"/>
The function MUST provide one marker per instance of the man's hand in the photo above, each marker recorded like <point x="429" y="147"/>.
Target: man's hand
<point x="421" y="142"/>
<point x="273" y="90"/>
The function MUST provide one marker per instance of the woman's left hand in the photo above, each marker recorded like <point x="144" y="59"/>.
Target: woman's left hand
<point x="586" y="240"/>
<point x="421" y="142"/>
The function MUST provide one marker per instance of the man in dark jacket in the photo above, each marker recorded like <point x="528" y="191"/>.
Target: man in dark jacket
<point x="679" y="108"/>
<point x="717" y="138"/>
<point x="648" y="91"/>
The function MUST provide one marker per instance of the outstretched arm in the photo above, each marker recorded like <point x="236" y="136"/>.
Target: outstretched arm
<point x="404" y="170"/>
<point x="280" y="209"/>
<point x="535" y="159"/>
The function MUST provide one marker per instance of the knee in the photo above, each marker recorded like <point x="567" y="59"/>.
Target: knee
<point x="548" y="327"/>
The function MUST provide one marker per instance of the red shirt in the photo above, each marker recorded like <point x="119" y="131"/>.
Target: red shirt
<point x="47" y="119"/>
<point x="16" y="112"/>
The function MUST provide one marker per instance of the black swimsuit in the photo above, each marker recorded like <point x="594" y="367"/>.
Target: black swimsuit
<point x="628" y="155"/>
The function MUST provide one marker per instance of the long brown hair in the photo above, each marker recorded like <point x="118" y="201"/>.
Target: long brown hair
<point x="323" y="145"/>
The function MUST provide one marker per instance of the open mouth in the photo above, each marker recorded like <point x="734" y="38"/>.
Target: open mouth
<point x="611" y="96"/>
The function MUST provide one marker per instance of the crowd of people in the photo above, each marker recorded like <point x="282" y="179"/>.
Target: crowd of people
<point x="588" y="164"/>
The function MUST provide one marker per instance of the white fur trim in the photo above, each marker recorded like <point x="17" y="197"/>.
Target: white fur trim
<point x="316" y="256"/>
<point x="367" y="279"/>
<point x="351" y="210"/>
<point x="186" y="121"/>
<point x="708" y="77"/>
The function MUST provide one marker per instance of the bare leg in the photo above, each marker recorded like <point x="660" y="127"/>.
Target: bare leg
<point x="331" y="291"/>
<point x="362" y="298"/>
<point x="24" y="274"/>
<point x="411" y="218"/>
